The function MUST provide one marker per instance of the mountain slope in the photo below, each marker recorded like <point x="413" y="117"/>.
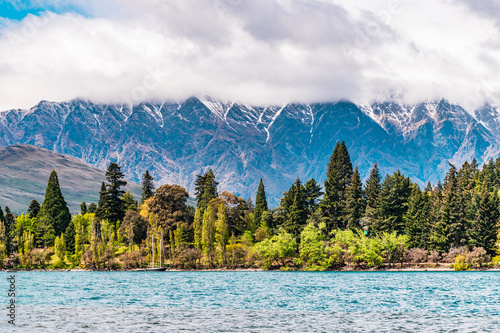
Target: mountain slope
<point x="25" y="170"/>
<point x="242" y="143"/>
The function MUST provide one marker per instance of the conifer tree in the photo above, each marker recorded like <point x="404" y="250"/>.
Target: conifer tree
<point x="260" y="203"/>
<point x="69" y="237"/>
<point x="148" y="187"/>
<point x="54" y="207"/>
<point x="338" y="177"/>
<point x="312" y="192"/>
<point x="392" y="204"/>
<point x="222" y="232"/>
<point x="9" y="231"/>
<point x="2" y="216"/>
<point x="294" y="208"/>
<point x="83" y="208"/>
<point x="114" y="205"/>
<point x="33" y="209"/>
<point x="100" y="212"/>
<point x="371" y="193"/>
<point x="417" y="218"/>
<point x="92" y="208"/>
<point x="205" y="189"/>
<point x="484" y="229"/>
<point x="355" y="202"/>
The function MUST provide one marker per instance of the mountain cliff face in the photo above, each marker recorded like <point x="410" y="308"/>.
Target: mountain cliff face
<point x="242" y="143"/>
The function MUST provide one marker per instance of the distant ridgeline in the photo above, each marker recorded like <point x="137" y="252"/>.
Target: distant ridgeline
<point x="343" y="223"/>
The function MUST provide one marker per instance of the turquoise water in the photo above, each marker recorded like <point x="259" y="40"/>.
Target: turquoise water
<point x="255" y="302"/>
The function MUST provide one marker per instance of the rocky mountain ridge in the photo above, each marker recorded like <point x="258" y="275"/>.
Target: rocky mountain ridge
<point x="177" y="140"/>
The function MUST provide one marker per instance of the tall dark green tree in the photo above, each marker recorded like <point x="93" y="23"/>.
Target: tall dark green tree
<point x="205" y="189"/>
<point x="54" y="207"/>
<point x="354" y="201"/>
<point x="417" y="219"/>
<point x="114" y="204"/>
<point x="293" y="207"/>
<point x="313" y="192"/>
<point x="83" y="208"/>
<point x="10" y="225"/>
<point x="2" y="216"/>
<point x="484" y="229"/>
<point x="148" y="187"/>
<point x="33" y="209"/>
<point x="69" y="237"/>
<point x="338" y="178"/>
<point x="92" y="208"/>
<point x="260" y="203"/>
<point x="371" y="193"/>
<point x="392" y="204"/>
<point x="100" y="212"/>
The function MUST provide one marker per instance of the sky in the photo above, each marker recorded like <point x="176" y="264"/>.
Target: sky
<point x="256" y="52"/>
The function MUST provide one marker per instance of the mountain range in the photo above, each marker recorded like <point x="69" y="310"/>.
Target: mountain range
<point x="242" y="143"/>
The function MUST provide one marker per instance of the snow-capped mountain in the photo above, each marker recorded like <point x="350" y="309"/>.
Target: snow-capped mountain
<point x="242" y="143"/>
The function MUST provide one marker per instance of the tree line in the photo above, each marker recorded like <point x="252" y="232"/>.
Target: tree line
<point x="344" y="223"/>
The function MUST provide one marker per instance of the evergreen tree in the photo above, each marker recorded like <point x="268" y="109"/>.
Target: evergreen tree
<point x="148" y="187"/>
<point x="100" y="212"/>
<point x="115" y="210"/>
<point x="92" y="208"/>
<point x="392" y="204"/>
<point x="2" y="216"/>
<point x="69" y="236"/>
<point x="417" y="218"/>
<point x="54" y="206"/>
<point x="33" y="209"/>
<point x="260" y="203"/>
<point x="371" y="194"/>
<point x="484" y="229"/>
<point x="355" y="202"/>
<point x="312" y="192"/>
<point x="338" y="178"/>
<point x="10" y="225"/>
<point x="250" y="205"/>
<point x="83" y="208"/>
<point x="294" y="209"/>
<point x="205" y="189"/>
<point x="129" y="202"/>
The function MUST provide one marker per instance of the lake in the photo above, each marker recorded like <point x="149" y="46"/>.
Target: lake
<point x="255" y="301"/>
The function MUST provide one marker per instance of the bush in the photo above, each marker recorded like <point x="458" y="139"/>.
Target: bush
<point x="477" y="258"/>
<point x="277" y="249"/>
<point x="460" y="263"/>
<point x="187" y="258"/>
<point x="454" y="251"/>
<point x="416" y="255"/>
<point x="434" y="256"/>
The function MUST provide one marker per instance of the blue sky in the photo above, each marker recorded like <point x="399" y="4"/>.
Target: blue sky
<point x="256" y="52"/>
<point x="18" y="10"/>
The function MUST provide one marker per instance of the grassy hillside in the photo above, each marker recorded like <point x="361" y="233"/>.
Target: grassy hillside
<point x="25" y="169"/>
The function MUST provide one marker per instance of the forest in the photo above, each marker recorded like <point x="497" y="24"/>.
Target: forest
<point x="344" y="224"/>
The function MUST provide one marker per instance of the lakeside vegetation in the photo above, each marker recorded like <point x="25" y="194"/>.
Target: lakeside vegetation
<point x="383" y="223"/>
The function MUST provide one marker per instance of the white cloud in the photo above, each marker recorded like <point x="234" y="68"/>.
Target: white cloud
<point x="253" y="51"/>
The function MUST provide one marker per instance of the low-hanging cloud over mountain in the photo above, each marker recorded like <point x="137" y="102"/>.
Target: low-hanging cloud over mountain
<point x="251" y="51"/>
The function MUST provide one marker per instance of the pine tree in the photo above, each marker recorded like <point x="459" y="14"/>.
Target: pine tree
<point x="114" y="205"/>
<point x="69" y="236"/>
<point x="100" y="212"/>
<point x="392" y="204"/>
<point x="260" y="203"/>
<point x="205" y="189"/>
<point x="485" y="227"/>
<point x="338" y="177"/>
<point x="10" y="224"/>
<point x="312" y="192"/>
<point x="371" y="193"/>
<point x="83" y="208"/>
<point x="222" y="232"/>
<point x="54" y="206"/>
<point x="33" y="209"/>
<point x="355" y="202"/>
<point x="92" y="208"/>
<point x="2" y="216"/>
<point x="417" y="218"/>
<point x="294" y="208"/>
<point x="148" y="187"/>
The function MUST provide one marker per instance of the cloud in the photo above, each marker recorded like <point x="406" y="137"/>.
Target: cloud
<point x="251" y="51"/>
